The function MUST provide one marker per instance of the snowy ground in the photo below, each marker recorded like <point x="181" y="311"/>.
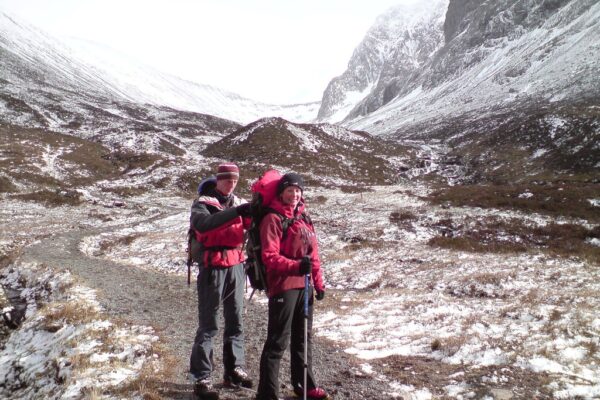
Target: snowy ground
<point x="66" y="348"/>
<point x="391" y="294"/>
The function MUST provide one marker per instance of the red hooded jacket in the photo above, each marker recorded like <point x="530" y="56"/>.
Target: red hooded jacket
<point x="282" y="255"/>
<point x="222" y="245"/>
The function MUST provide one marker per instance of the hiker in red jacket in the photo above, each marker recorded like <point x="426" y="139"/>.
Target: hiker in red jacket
<point x="218" y="222"/>
<point x="288" y="257"/>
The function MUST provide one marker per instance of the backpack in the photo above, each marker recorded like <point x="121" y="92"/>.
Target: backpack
<point x="264" y="190"/>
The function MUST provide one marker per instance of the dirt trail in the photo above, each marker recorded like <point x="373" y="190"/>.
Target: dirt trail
<point x="165" y="302"/>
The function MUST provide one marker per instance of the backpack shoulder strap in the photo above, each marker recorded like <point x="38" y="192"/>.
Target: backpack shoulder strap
<point x="306" y="218"/>
<point x="285" y="221"/>
<point x="210" y="201"/>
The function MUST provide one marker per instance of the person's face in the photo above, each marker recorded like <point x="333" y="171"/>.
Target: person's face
<point x="291" y="195"/>
<point x="226" y="186"/>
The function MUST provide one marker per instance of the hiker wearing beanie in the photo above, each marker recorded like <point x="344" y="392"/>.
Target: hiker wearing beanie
<point x="288" y="258"/>
<point x="218" y="220"/>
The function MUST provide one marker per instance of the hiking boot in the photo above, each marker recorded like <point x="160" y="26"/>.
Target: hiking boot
<point x="203" y="390"/>
<point x="312" y="394"/>
<point x="238" y="377"/>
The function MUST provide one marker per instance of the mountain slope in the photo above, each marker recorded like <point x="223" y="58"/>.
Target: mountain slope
<point x="501" y="58"/>
<point x="509" y="63"/>
<point x="35" y="64"/>
<point x="326" y="153"/>
<point x="396" y="46"/>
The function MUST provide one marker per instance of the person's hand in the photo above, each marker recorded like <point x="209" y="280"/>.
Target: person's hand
<point x="320" y="295"/>
<point x="305" y="266"/>
<point x="244" y="210"/>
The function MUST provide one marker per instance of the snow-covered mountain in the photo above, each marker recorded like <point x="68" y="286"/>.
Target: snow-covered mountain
<point x="513" y="87"/>
<point x="495" y="55"/>
<point x="38" y="71"/>
<point x="494" y="87"/>
<point x="399" y="43"/>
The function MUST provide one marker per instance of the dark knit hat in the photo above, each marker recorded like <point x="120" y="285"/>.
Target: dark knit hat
<point x="228" y="171"/>
<point x="290" y="179"/>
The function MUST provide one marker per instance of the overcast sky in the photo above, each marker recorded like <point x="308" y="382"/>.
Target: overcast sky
<point x="276" y="51"/>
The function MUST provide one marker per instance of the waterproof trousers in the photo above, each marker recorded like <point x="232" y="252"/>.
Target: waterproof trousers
<point x="286" y="321"/>
<point x="216" y="286"/>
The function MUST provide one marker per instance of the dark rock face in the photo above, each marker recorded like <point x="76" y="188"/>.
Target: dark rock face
<point x="398" y="57"/>
<point x="395" y="47"/>
<point x="475" y="28"/>
<point x="456" y="17"/>
<point x="505" y="69"/>
<point x="420" y="42"/>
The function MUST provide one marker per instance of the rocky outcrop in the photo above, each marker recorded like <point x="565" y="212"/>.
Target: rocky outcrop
<point x="396" y="46"/>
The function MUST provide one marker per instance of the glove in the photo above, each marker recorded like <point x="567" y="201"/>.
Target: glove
<point x="305" y="266"/>
<point x="244" y="210"/>
<point x="320" y="295"/>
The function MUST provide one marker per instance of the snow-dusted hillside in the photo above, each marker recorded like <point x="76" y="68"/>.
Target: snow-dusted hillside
<point x="398" y="44"/>
<point x="513" y="92"/>
<point x="504" y="55"/>
<point x="325" y="153"/>
<point x="36" y="69"/>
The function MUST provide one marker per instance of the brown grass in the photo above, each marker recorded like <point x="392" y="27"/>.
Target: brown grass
<point x="6" y="185"/>
<point x="50" y="198"/>
<point x="150" y="382"/>
<point x="57" y="314"/>
<point x="515" y="236"/>
<point x="318" y="199"/>
<point x="128" y="160"/>
<point x="475" y="245"/>
<point x="337" y="255"/>
<point x="367" y="241"/>
<point x="487" y="278"/>
<point x="453" y="344"/>
<point x="80" y="361"/>
<point x="271" y="142"/>
<point x="567" y="199"/>
<point x="401" y="216"/>
<point x="355" y="189"/>
<point x="9" y="257"/>
<point x="188" y="181"/>
<point x="23" y="149"/>
<point x="126" y="191"/>
<point x="120" y="241"/>
<point x="92" y="393"/>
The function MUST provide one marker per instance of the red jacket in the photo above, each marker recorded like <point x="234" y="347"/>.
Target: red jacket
<point x="222" y="245"/>
<point x="282" y="255"/>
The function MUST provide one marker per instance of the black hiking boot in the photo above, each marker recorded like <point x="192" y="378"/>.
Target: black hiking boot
<point x="238" y="378"/>
<point x="203" y="390"/>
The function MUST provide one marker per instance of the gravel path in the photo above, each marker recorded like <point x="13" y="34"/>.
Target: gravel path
<point x="166" y="302"/>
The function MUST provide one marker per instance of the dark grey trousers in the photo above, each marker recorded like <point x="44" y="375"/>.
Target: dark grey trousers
<point x="216" y="286"/>
<point x="286" y="319"/>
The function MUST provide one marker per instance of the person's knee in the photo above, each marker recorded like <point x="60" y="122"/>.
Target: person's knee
<point x="276" y="348"/>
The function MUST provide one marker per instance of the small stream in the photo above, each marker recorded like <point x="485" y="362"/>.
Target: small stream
<point x="13" y="314"/>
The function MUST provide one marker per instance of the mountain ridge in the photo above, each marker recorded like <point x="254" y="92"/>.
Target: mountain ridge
<point x="103" y="74"/>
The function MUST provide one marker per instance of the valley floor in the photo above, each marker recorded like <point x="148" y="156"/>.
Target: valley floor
<point x="109" y="312"/>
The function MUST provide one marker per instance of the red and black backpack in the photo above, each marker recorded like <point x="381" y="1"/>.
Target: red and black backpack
<point x="264" y="190"/>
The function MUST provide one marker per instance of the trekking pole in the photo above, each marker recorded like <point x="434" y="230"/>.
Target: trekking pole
<point x="306" y="286"/>
<point x="189" y="265"/>
<point x="190" y="259"/>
